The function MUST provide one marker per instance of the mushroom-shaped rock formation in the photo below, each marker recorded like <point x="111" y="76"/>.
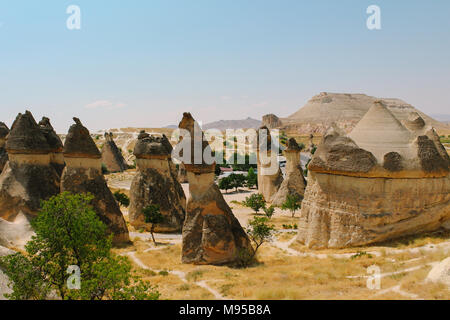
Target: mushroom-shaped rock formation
<point x="55" y="143"/>
<point x="27" y="178"/>
<point x="211" y="233"/>
<point x="269" y="173"/>
<point x="155" y="183"/>
<point x="384" y="180"/>
<point x="4" y="131"/>
<point x="294" y="183"/>
<point x="83" y="174"/>
<point x="112" y="157"/>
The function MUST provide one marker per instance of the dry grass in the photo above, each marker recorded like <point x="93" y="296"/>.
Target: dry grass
<point x="279" y="276"/>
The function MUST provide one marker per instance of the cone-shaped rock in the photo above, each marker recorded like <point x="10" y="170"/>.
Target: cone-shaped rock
<point x="211" y="233"/>
<point x="294" y="183"/>
<point x="382" y="181"/>
<point x="112" y="158"/>
<point x="55" y="143"/>
<point x="4" y="131"/>
<point x="27" y="178"/>
<point x="155" y="183"/>
<point x="269" y="173"/>
<point x="82" y="174"/>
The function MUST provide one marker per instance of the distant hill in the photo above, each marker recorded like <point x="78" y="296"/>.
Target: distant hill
<point x="233" y="124"/>
<point x="344" y="109"/>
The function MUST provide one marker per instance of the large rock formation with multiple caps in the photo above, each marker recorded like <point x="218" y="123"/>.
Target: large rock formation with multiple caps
<point x="83" y="174"/>
<point x="156" y="183"/>
<point x="4" y="131"/>
<point x="384" y="180"/>
<point x="55" y="143"/>
<point x="294" y="183"/>
<point x="211" y="233"/>
<point x="112" y="157"/>
<point x="269" y="173"/>
<point x="27" y="178"/>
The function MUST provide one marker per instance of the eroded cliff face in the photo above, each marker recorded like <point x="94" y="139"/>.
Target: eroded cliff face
<point x="341" y="211"/>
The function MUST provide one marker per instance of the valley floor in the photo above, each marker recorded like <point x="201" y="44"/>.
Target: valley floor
<point x="288" y="270"/>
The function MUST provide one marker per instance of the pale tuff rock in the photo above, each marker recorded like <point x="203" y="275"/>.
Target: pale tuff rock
<point x="82" y="174"/>
<point x="4" y="131"/>
<point x="112" y="157"/>
<point x="27" y="178"/>
<point x="269" y="173"/>
<point x="440" y="273"/>
<point x="343" y="109"/>
<point x="294" y="183"/>
<point x="156" y="183"/>
<point x="211" y="233"/>
<point x="55" y="143"/>
<point x="382" y="181"/>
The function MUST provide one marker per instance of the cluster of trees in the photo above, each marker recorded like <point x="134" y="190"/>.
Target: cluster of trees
<point x="236" y="181"/>
<point x="70" y="258"/>
<point x="257" y="202"/>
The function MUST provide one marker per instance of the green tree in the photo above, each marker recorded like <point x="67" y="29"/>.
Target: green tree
<point x="252" y="178"/>
<point x="292" y="203"/>
<point x="269" y="211"/>
<point x="153" y="215"/>
<point x="237" y="181"/>
<point x="225" y="184"/>
<point x="69" y="233"/>
<point x="259" y="232"/>
<point x="122" y="199"/>
<point x="255" y="201"/>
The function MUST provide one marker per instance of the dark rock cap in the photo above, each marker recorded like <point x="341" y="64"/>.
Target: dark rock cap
<point x="79" y="142"/>
<point x="293" y="145"/>
<point x="26" y="136"/>
<point x="53" y="139"/>
<point x="4" y="130"/>
<point x="167" y="143"/>
<point x="149" y="147"/>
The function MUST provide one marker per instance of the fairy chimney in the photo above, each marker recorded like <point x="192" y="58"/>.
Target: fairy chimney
<point x="4" y="131"/>
<point x="55" y="143"/>
<point x="211" y="233"/>
<point x="112" y="156"/>
<point x="26" y="180"/>
<point x="269" y="173"/>
<point x="155" y="183"/>
<point x="382" y="181"/>
<point x="294" y="183"/>
<point x="83" y="174"/>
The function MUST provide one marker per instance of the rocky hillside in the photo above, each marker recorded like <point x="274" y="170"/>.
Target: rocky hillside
<point x="344" y="109"/>
<point x="233" y="124"/>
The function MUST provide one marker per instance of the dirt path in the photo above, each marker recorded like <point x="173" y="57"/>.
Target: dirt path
<point x="180" y="274"/>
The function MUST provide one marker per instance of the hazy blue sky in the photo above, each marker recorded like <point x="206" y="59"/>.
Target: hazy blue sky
<point x="142" y="63"/>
